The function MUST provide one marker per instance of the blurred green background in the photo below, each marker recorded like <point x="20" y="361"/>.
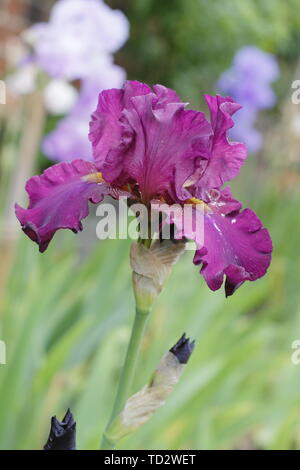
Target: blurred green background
<point x="66" y="315"/>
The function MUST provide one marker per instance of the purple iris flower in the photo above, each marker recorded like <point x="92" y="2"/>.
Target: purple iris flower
<point x="147" y="145"/>
<point x="248" y="81"/>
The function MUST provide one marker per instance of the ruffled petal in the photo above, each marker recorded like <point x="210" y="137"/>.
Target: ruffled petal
<point x="159" y="149"/>
<point x="235" y="245"/>
<point x="148" y="137"/>
<point x="164" y="96"/>
<point x="59" y="199"/>
<point x="226" y="158"/>
<point x="105" y="128"/>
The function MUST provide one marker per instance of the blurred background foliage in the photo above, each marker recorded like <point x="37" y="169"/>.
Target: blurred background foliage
<point x="66" y="315"/>
<point x="172" y="39"/>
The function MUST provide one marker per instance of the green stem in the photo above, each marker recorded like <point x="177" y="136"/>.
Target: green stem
<point x="127" y="374"/>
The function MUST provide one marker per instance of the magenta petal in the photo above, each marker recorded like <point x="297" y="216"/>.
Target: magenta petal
<point x="59" y="199"/>
<point x="235" y="245"/>
<point x="105" y="129"/>
<point x="105" y="126"/>
<point x="226" y="157"/>
<point x="148" y="137"/>
<point x="165" y="95"/>
<point x="134" y="88"/>
<point x="160" y="145"/>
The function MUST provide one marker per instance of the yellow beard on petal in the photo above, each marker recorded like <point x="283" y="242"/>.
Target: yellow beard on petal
<point x="199" y="204"/>
<point x="94" y="178"/>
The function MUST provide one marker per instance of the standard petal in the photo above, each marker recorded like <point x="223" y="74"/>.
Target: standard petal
<point x="59" y="199"/>
<point x="160" y="146"/>
<point x="106" y="129"/>
<point x="235" y="245"/>
<point x="226" y="158"/>
<point x="146" y="136"/>
<point x="165" y="96"/>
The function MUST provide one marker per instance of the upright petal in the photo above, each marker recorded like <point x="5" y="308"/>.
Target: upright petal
<point x="59" y="199"/>
<point x="160" y="146"/>
<point x="226" y="158"/>
<point x="165" y="96"/>
<point x="106" y="130"/>
<point x="235" y="245"/>
<point x="148" y="137"/>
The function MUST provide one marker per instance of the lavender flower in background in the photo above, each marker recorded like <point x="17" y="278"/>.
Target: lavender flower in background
<point x="249" y="82"/>
<point x="77" y="37"/>
<point x="87" y="36"/>
<point x="76" y="43"/>
<point x="69" y="140"/>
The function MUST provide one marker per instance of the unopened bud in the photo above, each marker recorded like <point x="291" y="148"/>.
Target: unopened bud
<point x="142" y="405"/>
<point x="151" y="266"/>
<point x="62" y="433"/>
<point x="183" y="349"/>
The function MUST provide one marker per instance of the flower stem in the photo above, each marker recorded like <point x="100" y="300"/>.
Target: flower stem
<point x="127" y="374"/>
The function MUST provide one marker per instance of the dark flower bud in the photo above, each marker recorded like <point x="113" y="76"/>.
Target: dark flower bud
<point x="62" y="433"/>
<point x="183" y="349"/>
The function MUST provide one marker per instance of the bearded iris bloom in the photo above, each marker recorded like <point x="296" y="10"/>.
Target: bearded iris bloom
<point x="149" y="147"/>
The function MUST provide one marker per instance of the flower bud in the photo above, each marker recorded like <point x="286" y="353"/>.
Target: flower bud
<point x="62" y="433"/>
<point x="142" y="405"/>
<point x="183" y="349"/>
<point x="151" y="266"/>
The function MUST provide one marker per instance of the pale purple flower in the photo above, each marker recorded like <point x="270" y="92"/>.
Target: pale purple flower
<point x="77" y="36"/>
<point x="248" y="81"/>
<point x="256" y="63"/>
<point x="148" y="146"/>
<point x="78" y="43"/>
<point x="68" y="140"/>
